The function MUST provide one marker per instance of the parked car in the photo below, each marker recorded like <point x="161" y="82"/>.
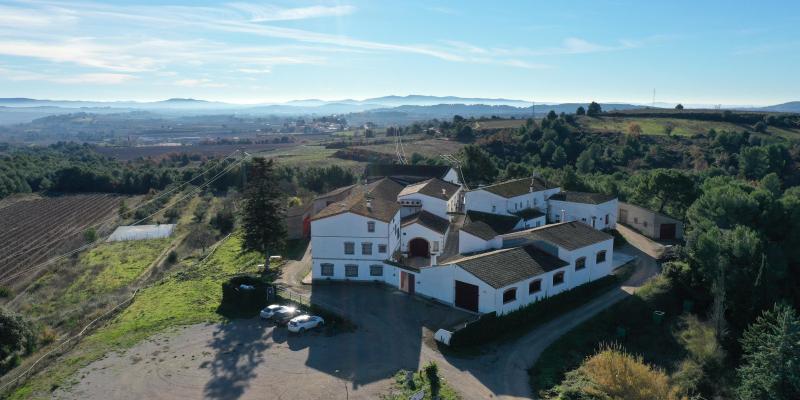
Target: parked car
<point x="305" y="322"/>
<point x="283" y="315"/>
<point x="270" y="310"/>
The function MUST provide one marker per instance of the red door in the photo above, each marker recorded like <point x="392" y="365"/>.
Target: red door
<point x="466" y="296"/>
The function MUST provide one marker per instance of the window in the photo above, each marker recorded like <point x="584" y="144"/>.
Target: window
<point x="535" y="201"/>
<point x="516" y="205"/>
<point x="558" y="278"/>
<point x="583" y="219"/>
<point x="558" y="218"/>
<point x="494" y="208"/>
<point x="349" y="248"/>
<point x="435" y="245"/>
<point x="366" y="248"/>
<point x="580" y="263"/>
<point x="606" y="219"/>
<point x="509" y="295"/>
<point x="601" y="256"/>
<point x="538" y="223"/>
<point x="371" y="226"/>
<point x="382" y="248"/>
<point x="326" y="269"/>
<point x="351" y="270"/>
<point x="535" y="286"/>
<point x="645" y="224"/>
<point x="376" y="270"/>
<point x="635" y="220"/>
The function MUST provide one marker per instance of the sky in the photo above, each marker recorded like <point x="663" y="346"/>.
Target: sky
<point x="710" y="52"/>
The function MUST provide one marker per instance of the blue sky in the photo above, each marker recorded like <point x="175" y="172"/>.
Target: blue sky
<point x="729" y="52"/>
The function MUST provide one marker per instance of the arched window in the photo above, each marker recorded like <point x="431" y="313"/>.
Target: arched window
<point x="580" y="263"/>
<point x="601" y="257"/>
<point x="558" y="278"/>
<point x="509" y="295"/>
<point x="535" y="286"/>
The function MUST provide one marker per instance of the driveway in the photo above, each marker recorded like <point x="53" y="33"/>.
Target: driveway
<point x="248" y="359"/>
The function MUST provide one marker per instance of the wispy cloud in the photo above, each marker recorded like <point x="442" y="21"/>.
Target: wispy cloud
<point x="267" y="13"/>
<point x="89" y="78"/>
<point x="202" y="82"/>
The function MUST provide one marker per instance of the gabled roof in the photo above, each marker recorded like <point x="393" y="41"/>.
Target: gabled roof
<point x="428" y="220"/>
<point x="356" y="203"/>
<point x="504" y="267"/>
<point x="407" y="173"/>
<point x="385" y="188"/>
<point x="499" y="223"/>
<point x="335" y="192"/>
<point x="480" y="230"/>
<point x="568" y="235"/>
<point x="433" y="187"/>
<point x="517" y="187"/>
<point x="582" y="197"/>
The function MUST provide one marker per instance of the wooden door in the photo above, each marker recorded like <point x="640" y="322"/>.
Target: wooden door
<point x="667" y="232"/>
<point x="466" y="296"/>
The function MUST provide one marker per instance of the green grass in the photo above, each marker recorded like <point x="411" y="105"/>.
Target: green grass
<point x="682" y="127"/>
<point x="190" y="295"/>
<point x="308" y="156"/>
<point x="111" y="266"/>
<point x="401" y="391"/>
<point x="431" y="148"/>
<point x="642" y="336"/>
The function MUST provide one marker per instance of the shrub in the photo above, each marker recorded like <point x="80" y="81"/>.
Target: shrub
<point x="432" y="373"/>
<point x="172" y="257"/>
<point x="491" y="327"/>
<point x="238" y="303"/>
<point x="5" y="292"/>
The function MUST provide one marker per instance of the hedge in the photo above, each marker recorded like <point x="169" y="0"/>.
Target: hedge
<point x="491" y="327"/>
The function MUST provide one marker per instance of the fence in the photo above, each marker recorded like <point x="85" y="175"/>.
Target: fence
<point x="288" y="294"/>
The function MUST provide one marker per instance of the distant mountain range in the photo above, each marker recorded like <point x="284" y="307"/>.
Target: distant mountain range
<point x="404" y="108"/>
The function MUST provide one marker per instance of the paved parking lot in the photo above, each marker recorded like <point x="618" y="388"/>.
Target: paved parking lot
<point x="251" y="359"/>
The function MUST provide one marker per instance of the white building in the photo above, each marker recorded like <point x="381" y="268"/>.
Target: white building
<point x="597" y="210"/>
<point x="502" y="258"/>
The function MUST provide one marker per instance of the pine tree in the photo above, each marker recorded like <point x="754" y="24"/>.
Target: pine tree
<point x="263" y="210"/>
<point x="771" y="361"/>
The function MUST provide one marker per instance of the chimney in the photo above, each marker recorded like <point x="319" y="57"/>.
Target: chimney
<point x="444" y="192"/>
<point x="369" y="204"/>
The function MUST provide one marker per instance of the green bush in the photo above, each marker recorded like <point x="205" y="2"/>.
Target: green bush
<point x="238" y="303"/>
<point x="172" y="257"/>
<point x="490" y="327"/>
<point x="5" y="292"/>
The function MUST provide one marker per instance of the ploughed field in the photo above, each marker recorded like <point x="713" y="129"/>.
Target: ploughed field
<point x="33" y="229"/>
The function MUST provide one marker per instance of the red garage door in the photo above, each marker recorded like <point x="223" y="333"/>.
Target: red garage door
<point x="466" y="296"/>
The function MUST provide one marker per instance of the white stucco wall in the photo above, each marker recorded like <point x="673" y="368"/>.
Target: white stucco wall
<point x="452" y="177"/>
<point x="485" y="201"/>
<point x="412" y="231"/>
<point x="469" y="243"/>
<point x="328" y="236"/>
<point x="438" y="207"/>
<point x="584" y="213"/>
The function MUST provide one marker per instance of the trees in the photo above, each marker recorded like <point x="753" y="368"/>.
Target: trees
<point x="679" y="106"/>
<point x="200" y="237"/>
<point x="478" y="166"/>
<point x="634" y="129"/>
<point x="17" y="337"/>
<point x="580" y="111"/>
<point x="771" y="360"/>
<point x="559" y="158"/>
<point x="594" y="109"/>
<point x="263" y="210"/>
<point x="665" y="188"/>
<point x="754" y="162"/>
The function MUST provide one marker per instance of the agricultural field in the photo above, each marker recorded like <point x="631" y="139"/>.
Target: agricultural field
<point x="128" y="153"/>
<point x="681" y="127"/>
<point x="309" y="156"/>
<point x="499" y="124"/>
<point x="430" y="148"/>
<point x="36" y="228"/>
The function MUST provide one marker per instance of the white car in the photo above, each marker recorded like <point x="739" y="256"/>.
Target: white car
<point x="270" y="310"/>
<point x="305" y="322"/>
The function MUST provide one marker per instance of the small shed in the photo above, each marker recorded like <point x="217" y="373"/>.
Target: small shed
<point x="650" y="223"/>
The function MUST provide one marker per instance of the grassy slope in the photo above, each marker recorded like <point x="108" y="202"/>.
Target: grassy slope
<point x="683" y="127"/>
<point x="655" y="342"/>
<point x="308" y="156"/>
<point x="428" y="148"/>
<point x="189" y="295"/>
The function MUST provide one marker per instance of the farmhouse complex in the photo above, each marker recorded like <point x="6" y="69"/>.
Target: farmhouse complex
<point x="490" y="249"/>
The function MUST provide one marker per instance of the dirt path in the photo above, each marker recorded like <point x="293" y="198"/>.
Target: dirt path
<point x="294" y="271"/>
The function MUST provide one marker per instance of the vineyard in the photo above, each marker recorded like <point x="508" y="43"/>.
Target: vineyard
<point x="34" y="229"/>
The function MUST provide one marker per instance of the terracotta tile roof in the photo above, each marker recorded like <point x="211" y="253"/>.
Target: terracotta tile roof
<point x="517" y="187"/>
<point x="428" y="220"/>
<point x="501" y="268"/>
<point x="433" y="187"/>
<point x="582" y="197"/>
<point x="568" y="235"/>
<point x="385" y="188"/>
<point x="356" y="203"/>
